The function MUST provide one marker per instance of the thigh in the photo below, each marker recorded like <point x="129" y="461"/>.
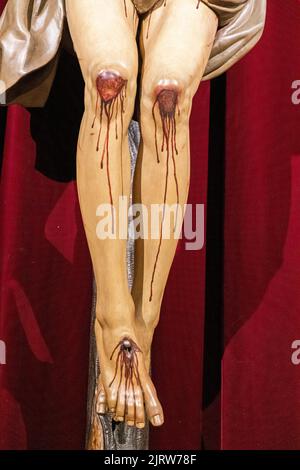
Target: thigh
<point x="103" y="33"/>
<point x="178" y="43"/>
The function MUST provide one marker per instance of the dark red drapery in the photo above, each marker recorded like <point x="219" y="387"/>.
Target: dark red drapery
<point x="46" y="277"/>
<point x="46" y="289"/>
<point x="260" y="398"/>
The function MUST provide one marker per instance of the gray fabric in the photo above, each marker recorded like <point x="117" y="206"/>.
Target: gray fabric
<point x="122" y="437"/>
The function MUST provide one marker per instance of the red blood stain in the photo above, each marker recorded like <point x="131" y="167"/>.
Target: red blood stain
<point x="167" y="103"/>
<point x="112" y="90"/>
<point x="128" y="364"/>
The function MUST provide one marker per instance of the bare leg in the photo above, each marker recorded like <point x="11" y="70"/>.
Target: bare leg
<point x="175" y="56"/>
<point x="104" y="38"/>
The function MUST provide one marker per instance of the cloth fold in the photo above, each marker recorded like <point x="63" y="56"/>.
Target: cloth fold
<point x="32" y="31"/>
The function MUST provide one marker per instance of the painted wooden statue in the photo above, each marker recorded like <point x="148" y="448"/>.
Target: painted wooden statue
<point x="158" y="51"/>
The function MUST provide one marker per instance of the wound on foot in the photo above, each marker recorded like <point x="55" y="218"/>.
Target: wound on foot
<point x="111" y="92"/>
<point x="127" y="363"/>
<point x="167" y="104"/>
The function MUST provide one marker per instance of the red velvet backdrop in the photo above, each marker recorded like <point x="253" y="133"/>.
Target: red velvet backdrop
<point x="260" y="391"/>
<point x="46" y="277"/>
<point x="46" y="291"/>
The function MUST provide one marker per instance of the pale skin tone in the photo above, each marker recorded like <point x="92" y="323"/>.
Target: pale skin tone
<point x="174" y="57"/>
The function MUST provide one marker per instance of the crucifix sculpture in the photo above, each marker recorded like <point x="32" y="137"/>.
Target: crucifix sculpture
<point x="171" y="45"/>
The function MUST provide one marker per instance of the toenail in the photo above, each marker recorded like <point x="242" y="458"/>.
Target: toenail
<point x="119" y="418"/>
<point x="157" y="420"/>
<point x="140" y="425"/>
<point x="101" y="409"/>
<point x="130" y="423"/>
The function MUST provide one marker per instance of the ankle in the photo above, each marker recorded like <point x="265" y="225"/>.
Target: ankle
<point x="115" y="317"/>
<point x="148" y="318"/>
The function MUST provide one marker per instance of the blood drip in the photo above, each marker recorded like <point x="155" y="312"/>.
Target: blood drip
<point x="167" y="102"/>
<point x="112" y="91"/>
<point x="128" y="364"/>
<point x="125" y="8"/>
<point x="150" y="16"/>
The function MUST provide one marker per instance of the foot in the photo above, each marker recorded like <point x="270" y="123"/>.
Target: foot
<point x="126" y="389"/>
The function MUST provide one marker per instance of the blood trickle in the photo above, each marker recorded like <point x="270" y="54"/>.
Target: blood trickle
<point x="167" y="103"/>
<point x="127" y="363"/>
<point x="125" y="8"/>
<point x="111" y="89"/>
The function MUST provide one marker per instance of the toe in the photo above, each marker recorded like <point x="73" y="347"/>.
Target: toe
<point x="139" y="409"/>
<point x="153" y="406"/>
<point x="101" y="403"/>
<point x="120" y="408"/>
<point x="130" y="407"/>
<point x="112" y="395"/>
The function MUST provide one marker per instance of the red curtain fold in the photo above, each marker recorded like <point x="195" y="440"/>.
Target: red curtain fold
<point x="45" y="304"/>
<point x="46" y="291"/>
<point x="260" y="399"/>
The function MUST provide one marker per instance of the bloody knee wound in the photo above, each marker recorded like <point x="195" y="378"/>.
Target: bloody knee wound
<point x="109" y="85"/>
<point x="110" y="104"/>
<point x="167" y="101"/>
